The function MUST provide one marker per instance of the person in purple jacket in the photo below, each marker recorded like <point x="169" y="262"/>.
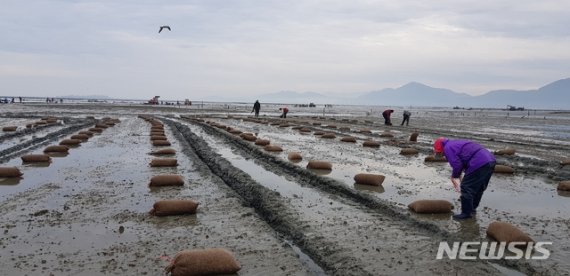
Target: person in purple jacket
<point x="477" y="163"/>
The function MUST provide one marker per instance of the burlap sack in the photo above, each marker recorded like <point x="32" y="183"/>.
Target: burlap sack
<point x="328" y="136"/>
<point x="96" y="130"/>
<point x="386" y="135"/>
<point x="39" y="123"/>
<point x="506" y="151"/>
<point x="506" y="232"/>
<point x="160" y="143"/>
<point x="433" y="158"/>
<point x="408" y="151"/>
<point x="348" y="139"/>
<point x="173" y="207"/>
<point x="164" y="162"/>
<point x="166" y="180"/>
<point x="262" y="142"/>
<point x="157" y="128"/>
<point x="10" y="172"/>
<point x="565" y="162"/>
<point x="164" y="152"/>
<point x="88" y="133"/>
<point x="213" y="261"/>
<point x="158" y="137"/>
<point x="82" y="137"/>
<point x="101" y="125"/>
<point x="365" y="130"/>
<point x="504" y="169"/>
<point x="331" y="126"/>
<point x="9" y="128"/>
<point x="157" y="133"/>
<point x="319" y="165"/>
<point x="318" y="133"/>
<point x="316" y="124"/>
<point x="431" y="206"/>
<point x="235" y="131"/>
<point x="33" y="158"/>
<point x="371" y="144"/>
<point x="369" y="179"/>
<point x="305" y="129"/>
<point x="70" y="142"/>
<point x="273" y="148"/>
<point x="564" y="185"/>
<point x="59" y="148"/>
<point x="297" y="127"/>
<point x="294" y="156"/>
<point x="414" y="137"/>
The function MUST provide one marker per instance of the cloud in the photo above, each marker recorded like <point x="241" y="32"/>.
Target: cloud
<point x="247" y="47"/>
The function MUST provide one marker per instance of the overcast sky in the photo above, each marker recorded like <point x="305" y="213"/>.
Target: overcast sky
<point x="241" y="48"/>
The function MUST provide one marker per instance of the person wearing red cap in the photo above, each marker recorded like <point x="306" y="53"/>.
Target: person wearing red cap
<point x="285" y="111"/>
<point x="478" y="164"/>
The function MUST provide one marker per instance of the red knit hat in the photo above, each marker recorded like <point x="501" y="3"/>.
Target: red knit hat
<point x="438" y="144"/>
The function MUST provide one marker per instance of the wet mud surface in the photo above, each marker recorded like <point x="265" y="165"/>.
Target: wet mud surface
<point x="87" y="213"/>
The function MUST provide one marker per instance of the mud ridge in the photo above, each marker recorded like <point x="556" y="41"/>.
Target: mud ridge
<point x="27" y="146"/>
<point x="332" y="186"/>
<point x="271" y="207"/>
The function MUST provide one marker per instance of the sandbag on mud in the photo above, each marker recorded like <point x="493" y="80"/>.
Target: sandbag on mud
<point x="328" y="136"/>
<point x="365" y="130"/>
<point x="59" y="148"/>
<point x="88" y="133"/>
<point x="235" y="131"/>
<point x="156" y="132"/>
<point x="284" y="125"/>
<point x="10" y="172"/>
<point x="348" y="139"/>
<point x="506" y="151"/>
<point x="213" y="261"/>
<point x="369" y="179"/>
<point x="158" y="137"/>
<point x="304" y="129"/>
<point x="331" y="126"/>
<point x="504" y="169"/>
<point x="408" y="151"/>
<point x="431" y="206"/>
<point x="9" y="128"/>
<point x="173" y="207"/>
<point x="70" y="142"/>
<point x="506" y="232"/>
<point x="318" y="133"/>
<point x="414" y="137"/>
<point x="163" y="152"/>
<point x="371" y="144"/>
<point x="344" y="129"/>
<point x="434" y="158"/>
<point x="96" y="129"/>
<point x="564" y="185"/>
<point x="262" y="142"/>
<point x="166" y="180"/>
<point x="294" y="156"/>
<point x="319" y="165"/>
<point x="565" y="162"/>
<point x="273" y="148"/>
<point x="317" y="124"/>
<point x="41" y="123"/>
<point x="250" y="138"/>
<point x="101" y="125"/>
<point x="164" y="162"/>
<point x="386" y="135"/>
<point x="160" y="143"/>
<point x="82" y="137"/>
<point x="297" y="127"/>
<point x="33" y="158"/>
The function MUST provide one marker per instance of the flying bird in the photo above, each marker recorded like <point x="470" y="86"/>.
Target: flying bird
<point x="163" y="27"/>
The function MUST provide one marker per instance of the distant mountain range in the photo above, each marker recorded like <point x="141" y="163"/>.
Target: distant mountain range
<point x="555" y="95"/>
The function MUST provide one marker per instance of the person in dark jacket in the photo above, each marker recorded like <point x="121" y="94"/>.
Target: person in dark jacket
<point x="386" y="114"/>
<point x="477" y="163"/>
<point x="256" y="108"/>
<point x="407" y="115"/>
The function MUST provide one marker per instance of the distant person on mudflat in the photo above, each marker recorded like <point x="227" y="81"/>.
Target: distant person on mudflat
<point x="256" y="108"/>
<point x="477" y="163"/>
<point x="285" y="111"/>
<point x="407" y="115"/>
<point x="386" y="114"/>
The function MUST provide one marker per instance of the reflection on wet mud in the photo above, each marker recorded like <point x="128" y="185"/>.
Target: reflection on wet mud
<point x="10" y="181"/>
<point x="376" y="189"/>
<point x="320" y="171"/>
